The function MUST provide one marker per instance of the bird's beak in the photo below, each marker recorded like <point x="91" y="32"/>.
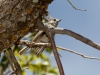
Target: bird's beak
<point x="59" y="20"/>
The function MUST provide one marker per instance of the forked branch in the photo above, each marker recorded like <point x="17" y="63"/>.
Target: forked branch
<point x="69" y="33"/>
<point x="53" y="45"/>
<point x="33" y="44"/>
<point x="76" y="36"/>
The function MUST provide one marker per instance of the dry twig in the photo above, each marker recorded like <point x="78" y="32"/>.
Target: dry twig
<point x="76" y="36"/>
<point x="34" y="39"/>
<point x="33" y="44"/>
<point x="14" y="63"/>
<point x="80" y="54"/>
<point x="75" y="7"/>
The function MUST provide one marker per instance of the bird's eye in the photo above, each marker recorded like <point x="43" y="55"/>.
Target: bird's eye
<point x="54" y="19"/>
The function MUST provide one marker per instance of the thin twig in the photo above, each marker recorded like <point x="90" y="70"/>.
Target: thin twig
<point x="84" y="56"/>
<point x="32" y="44"/>
<point x="34" y="39"/>
<point x="18" y="70"/>
<point x="26" y="43"/>
<point x="75" y="7"/>
<point x="9" y="59"/>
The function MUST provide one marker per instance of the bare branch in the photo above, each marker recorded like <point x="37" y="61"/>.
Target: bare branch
<point x="30" y="45"/>
<point x="76" y="36"/>
<point x="34" y="39"/>
<point x="84" y="56"/>
<point x="75" y="7"/>
<point x="70" y="33"/>
<point x="23" y="50"/>
<point x="14" y="64"/>
<point x="17" y="70"/>
<point x="9" y="59"/>
<point x="53" y="45"/>
<point x="33" y="44"/>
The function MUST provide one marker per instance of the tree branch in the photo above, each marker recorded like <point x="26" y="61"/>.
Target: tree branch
<point x="53" y="45"/>
<point x="33" y="45"/>
<point x="34" y="39"/>
<point x="69" y="33"/>
<point x="80" y="54"/>
<point x="75" y="7"/>
<point x="14" y="63"/>
<point x="76" y="36"/>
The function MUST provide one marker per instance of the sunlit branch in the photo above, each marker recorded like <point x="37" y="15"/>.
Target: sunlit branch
<point x="80" y="54"/>
<point x="76" y="36"/>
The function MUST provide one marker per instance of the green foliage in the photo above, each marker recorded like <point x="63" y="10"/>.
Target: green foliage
<point x="38" y="65"/>
<point x="4" y="63"/>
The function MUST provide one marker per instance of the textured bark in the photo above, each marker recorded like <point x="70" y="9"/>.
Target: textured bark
<point x="17" y="17"/>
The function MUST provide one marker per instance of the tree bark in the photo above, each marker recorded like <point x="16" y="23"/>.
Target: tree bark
<point x="17" y="17"/>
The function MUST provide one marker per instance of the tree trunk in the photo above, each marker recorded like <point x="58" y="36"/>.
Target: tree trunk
<point x="17" y="17"/>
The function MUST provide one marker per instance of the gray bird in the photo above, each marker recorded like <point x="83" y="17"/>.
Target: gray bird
<point x="43" y="38"/>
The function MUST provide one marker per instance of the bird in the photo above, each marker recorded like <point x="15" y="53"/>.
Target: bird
<point x="43" y="38"/>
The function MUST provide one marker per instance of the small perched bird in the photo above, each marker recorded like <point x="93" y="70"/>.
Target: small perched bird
<point x="43" y="38"/>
